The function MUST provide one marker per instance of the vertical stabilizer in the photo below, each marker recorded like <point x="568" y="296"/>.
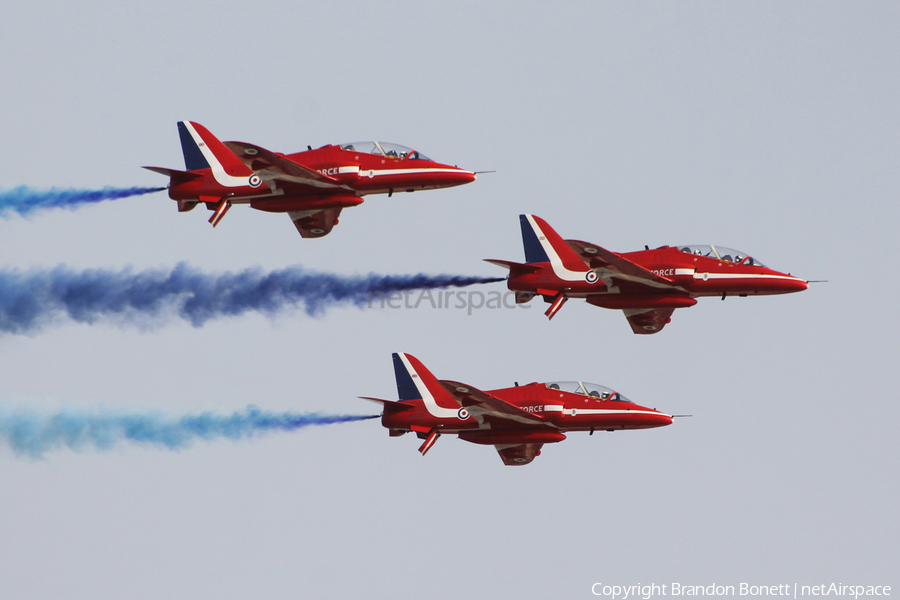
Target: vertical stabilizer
<point x="534" y="252"/>
<point x="415" y="382"/>
<point x="202" y="150"/>
<point x="543" y="244"/>
<point x="193" y="157"/>
<point x="406" y="389"/>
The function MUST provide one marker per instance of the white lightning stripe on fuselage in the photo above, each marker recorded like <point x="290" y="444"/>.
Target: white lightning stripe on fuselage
<point x="742" y="276"/>
<point x="596" y="411"/>
<point x="430" y="404"/>
<point x="555" y="261"/>
<point x="378" y="172"/>
<point x="221" y="177"/>
<point x="611" y="411"/>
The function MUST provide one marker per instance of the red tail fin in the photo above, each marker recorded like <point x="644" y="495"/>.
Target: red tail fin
<point x="543" y="244"/>
<point x="202" y="150"/>
<point x="415" y="382"/>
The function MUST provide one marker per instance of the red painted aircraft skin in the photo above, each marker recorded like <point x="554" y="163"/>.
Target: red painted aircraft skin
<point x="312" y="186"/>
<point x="516" y="420"/>
<point x="648" y="285"/>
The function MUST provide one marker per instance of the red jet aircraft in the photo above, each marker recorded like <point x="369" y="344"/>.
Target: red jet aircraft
<point x="647" y="285"/>
<point x="312" y="187"/>
<point x="517" y="421"/>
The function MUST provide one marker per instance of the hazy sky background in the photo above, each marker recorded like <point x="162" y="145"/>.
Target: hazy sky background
<point x="768" y="127"/>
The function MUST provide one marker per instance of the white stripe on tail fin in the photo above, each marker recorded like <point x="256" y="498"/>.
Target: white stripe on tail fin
<point x="543" y="244"/>
<point x="202" y="150"/>
<point x="415" y="382"/>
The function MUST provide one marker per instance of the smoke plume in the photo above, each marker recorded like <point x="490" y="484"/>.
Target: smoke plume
<point x="25" y="200"/>
<point x="31" y="299"/>
<point x="34" y="433"/>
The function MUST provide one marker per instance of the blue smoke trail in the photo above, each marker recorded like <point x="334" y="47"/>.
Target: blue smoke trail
<point x="25" y="200"/>
<point x="33" y="433"/>
<point x="29" y="300"/>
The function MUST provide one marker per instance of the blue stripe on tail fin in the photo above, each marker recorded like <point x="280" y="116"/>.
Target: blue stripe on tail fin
<point x="406" y="388"/>
<point x="193" y="158"/>
<point x="534" y="252"/>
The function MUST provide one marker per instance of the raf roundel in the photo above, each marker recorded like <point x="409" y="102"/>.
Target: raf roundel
<point x="591" y="277"/>
<point x="463" y="414"/>
<point x="255" y="180"/>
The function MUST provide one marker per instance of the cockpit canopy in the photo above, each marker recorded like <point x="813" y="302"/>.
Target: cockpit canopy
<point x="723" y="254"/>
<point x="587" y="389"/>
<point x="384" y="149"/>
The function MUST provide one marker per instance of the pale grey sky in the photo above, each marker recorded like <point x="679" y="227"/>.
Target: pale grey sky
<point x="764" y="126"/>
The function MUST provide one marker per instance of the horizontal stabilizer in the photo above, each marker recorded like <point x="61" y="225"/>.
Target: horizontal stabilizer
<point x="176" y="175"/>
<point x="514" y="266"/>
<point x="390" y="406"/>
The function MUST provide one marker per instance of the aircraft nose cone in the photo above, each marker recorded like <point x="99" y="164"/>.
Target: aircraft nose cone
<point x="785" y="283"/>
<point x="449" y="176"/>
<point x="460" y="177"/>
<point x="794" y="284"/>
<point x="467" y="176"/>
<point x="655" y="418"/>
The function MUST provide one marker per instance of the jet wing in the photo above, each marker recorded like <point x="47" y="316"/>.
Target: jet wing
<point x="521" y="454"/>
<point x="315" y="224"/>
<point x="647" y="321"/>
<point x="281" y="171"/>
<point x="610" y="265"/>
<point x="481" y="404"/>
